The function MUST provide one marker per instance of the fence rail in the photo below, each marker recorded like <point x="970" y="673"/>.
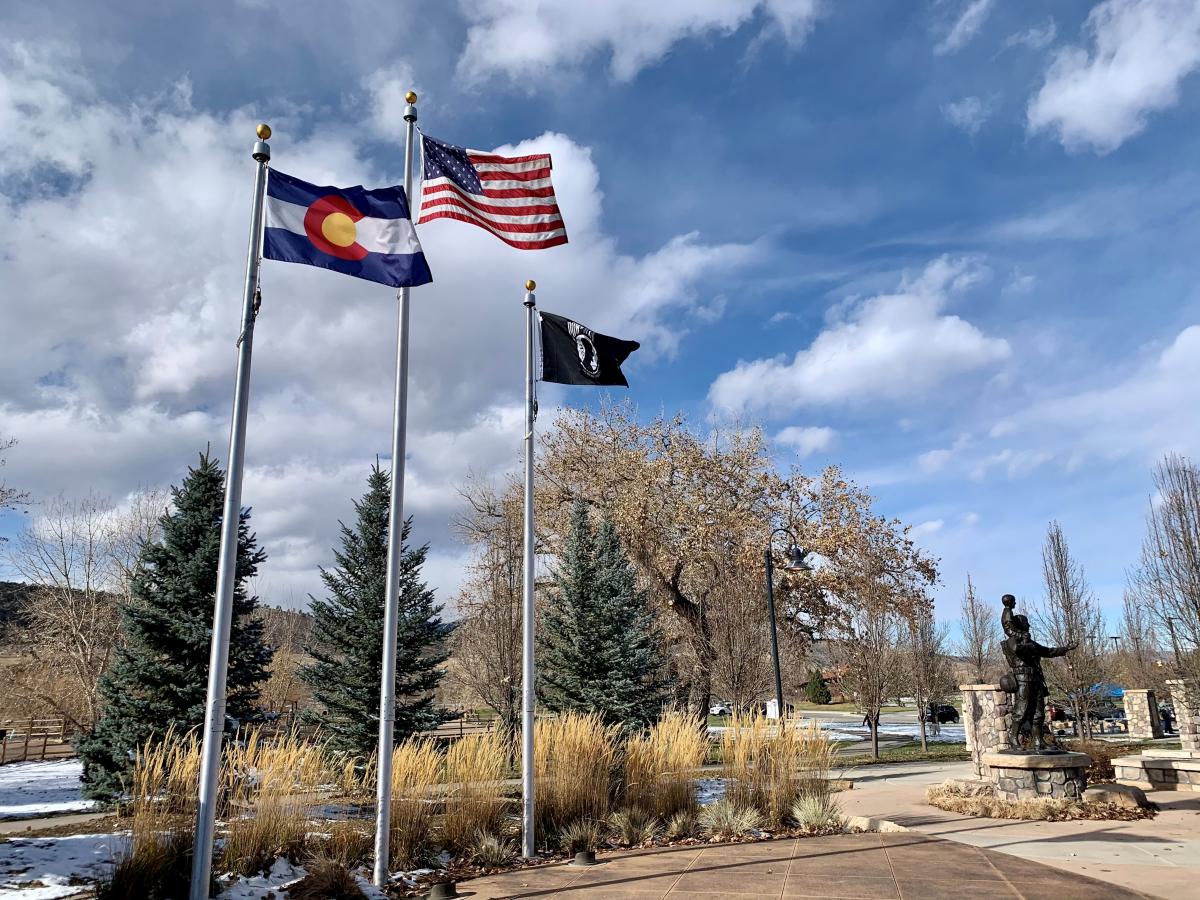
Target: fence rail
<point x="32" y="739"/>
<point x="22" y="740"/>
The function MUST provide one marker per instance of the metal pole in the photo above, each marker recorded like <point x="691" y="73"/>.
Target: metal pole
<point x="774" y="636"/>
<point x="218" y="661"/>
<point x="528" y="850"/>
<point x="387" y="683"/>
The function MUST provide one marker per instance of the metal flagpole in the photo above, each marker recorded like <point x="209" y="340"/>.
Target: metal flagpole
<point x="387" y="685"/>
<point x="218" y="661"/>
<point x="527" y="674"/>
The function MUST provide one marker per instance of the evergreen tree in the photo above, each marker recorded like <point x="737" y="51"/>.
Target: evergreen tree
<point x="816" y="691"/>
<point x="599" y="644"/>
<point x="346" y="641"/>
<point x="159" y="675"/>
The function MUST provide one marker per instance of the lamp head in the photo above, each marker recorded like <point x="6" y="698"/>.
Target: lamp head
<point x="796" y="560"/>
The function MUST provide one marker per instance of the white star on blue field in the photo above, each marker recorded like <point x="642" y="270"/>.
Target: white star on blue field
<point x="948" y="245"/>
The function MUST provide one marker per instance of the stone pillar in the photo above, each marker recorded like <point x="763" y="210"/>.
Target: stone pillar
<point x="1141" y="714"/>
<point x="986" y="720"/>
<point x="1185" y="697"/>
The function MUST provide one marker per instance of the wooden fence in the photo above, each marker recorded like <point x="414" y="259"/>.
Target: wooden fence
<point x="34" y="739"/>
<point x="23" y="740"/>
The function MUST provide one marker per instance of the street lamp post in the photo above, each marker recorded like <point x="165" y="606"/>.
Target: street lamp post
<point x="795" y="563"/>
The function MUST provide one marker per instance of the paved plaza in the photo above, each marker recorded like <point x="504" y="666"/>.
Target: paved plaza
<point x="852" y="866"/>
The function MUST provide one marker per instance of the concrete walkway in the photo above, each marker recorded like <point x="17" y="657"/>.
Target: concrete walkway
<point x="851" y="866"/>
<point x="1160" y="856"/>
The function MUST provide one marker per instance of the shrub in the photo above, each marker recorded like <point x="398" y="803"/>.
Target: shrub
<point x="727" y="819"/>
<point x="580" y="835"/>
<point x="272" y="783"/>
<point x="416" y="772"/>
<point x="573" y="764"/>
<point x="492" y="851"/>
<point x="161" y="805"/>
<point x="348" y="842"/>
<point x="768" y="766"/>
<point x="659" y="766"/>
<point x="684" y="824"/>
<point x="327" y="879"/>
<point x="818" y="812"/>
<point x="634" y="827"/>
<point x="475" y="766"/>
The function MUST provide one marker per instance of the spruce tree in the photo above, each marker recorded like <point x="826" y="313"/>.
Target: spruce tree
<point x="816" y="691"/>
<point x="159" y="674"/>
<point x="599" y="643"/>
<point x="346" y="641"/>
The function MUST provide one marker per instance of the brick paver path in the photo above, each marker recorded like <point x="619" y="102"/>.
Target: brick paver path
<point x="852" y="866"/>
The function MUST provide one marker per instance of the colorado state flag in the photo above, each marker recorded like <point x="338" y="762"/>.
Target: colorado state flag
<point x="367" y="234"/>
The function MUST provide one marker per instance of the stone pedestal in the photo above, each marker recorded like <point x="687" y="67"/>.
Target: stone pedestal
<point x="1141" y="714"/>
<point x="985" y="720"/>
<point x="1038" y="776"/>
<point x="1185" y="697"/>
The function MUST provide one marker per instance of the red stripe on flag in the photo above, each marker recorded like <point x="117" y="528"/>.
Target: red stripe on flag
<point x="493" y="158"/>
<point x="517" y="175"/>
<point x="510" y="227"/>
<point x="520" y="245"/>
<point x="434" y="193"/>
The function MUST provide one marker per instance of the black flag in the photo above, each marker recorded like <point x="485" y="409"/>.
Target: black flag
<point x="574" y="354"/>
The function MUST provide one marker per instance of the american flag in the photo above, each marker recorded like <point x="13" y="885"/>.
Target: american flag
<point x="510" y="196"/>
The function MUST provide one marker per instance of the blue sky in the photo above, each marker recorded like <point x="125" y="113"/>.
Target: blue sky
<point x="948" y="245"/>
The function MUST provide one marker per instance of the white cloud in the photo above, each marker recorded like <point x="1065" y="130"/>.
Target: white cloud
<point x="386" y="88"/>
<point x="531" y="40"/>
<point x="807" y="440"/>
<point x="124" y="367"/>
<point x="1037" y="37"/>
<point x="965" y="27"/>
<point x="923" y="529"/>
<point x="1149" y="412"/>
<point x="1141" y="52"/>
<point x="933" y="461"/>
<point x="891" y="347"/>
<point x="967" y="114"/>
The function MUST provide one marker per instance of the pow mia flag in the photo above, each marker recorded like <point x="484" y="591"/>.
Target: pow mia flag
<point x="574" y="354"/>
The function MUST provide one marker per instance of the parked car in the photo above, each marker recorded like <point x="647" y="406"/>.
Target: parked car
<point x="719" y="709"/>
<point x="941" y="713"/>
<point x="1106" y="711"/>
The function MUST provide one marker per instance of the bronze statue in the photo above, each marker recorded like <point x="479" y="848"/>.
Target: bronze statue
<point x="1026" y="683"/>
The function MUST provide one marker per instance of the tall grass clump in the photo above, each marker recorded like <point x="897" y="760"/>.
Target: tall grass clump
<point x="573" y="762"/>
<point x="161" y="805"/>
<point x="416" y="776"/>
<point x="475" y="804"/>
<point x="659" y="766"/>
<point x="768" y="767"/>
<point x="269" y="784"/>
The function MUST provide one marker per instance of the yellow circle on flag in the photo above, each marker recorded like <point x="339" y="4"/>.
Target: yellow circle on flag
<point x="338" y="228"/>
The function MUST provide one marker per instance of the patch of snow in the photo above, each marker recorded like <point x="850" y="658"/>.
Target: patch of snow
<point x="275" y="883"/>
<point x="32" y="789"/>
<point x="56" y="867"/>
<point x="948" y="734"/>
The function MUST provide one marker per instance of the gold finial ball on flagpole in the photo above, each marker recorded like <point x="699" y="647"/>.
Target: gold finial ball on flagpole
<point x="530" y="284"/>
<point x="410" y="97"/>
<point x="263" y="131"/>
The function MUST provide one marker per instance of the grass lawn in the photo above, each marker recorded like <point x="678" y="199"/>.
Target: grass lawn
<point x="909" y="752"/>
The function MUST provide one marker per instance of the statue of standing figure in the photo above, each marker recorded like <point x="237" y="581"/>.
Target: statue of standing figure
<point x="1026" y="683"/>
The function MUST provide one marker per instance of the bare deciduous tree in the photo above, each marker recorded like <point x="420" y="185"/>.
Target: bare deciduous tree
<point x="487" y="642"/>
<point x="741" y="642"/>
<point x="10" y="497"/>
<point x="980" y="635"/>
<point x="1168" y="578"/>
<point x="928" y="673"/>
<point x="1070" y="615"/>
<point x="70" y="622"/>
<point x="1140" y="655"/>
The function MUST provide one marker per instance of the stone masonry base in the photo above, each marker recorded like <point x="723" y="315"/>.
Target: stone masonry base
<point x="1179" y="771"/>
<point x="1038" y="776"/>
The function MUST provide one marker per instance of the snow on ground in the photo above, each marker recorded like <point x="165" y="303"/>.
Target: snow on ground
<point x="275" y="884"/>
<point x="948" y="734"/>
<point x="55" y="867"/>
<point x="35" y="789"/>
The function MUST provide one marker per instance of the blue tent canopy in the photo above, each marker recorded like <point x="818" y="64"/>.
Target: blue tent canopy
<point x="1107" y="689"/>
